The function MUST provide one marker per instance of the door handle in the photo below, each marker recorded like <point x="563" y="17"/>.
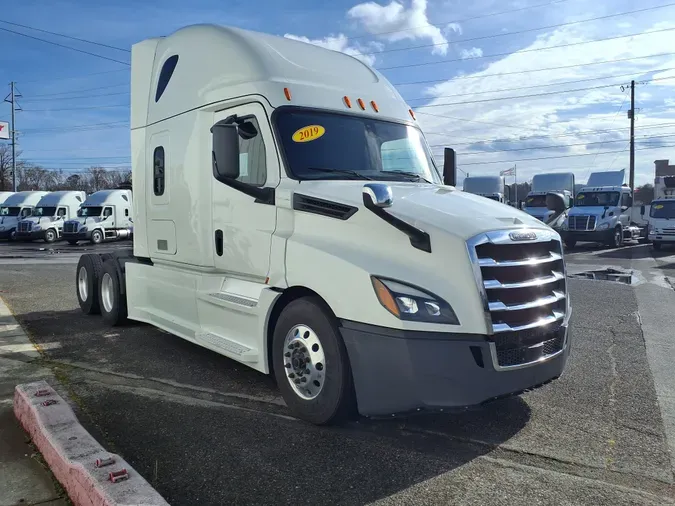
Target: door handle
<point x="219" y="243"/>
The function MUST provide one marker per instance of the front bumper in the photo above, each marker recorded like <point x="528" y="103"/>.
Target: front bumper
<point x="32" y="235"/>
<point x="6" y="234"/>
<point x="77" y="236"/>
<point x="590" y="236"/>
<point x="398" y="371"/>
<point x="661" y="238"/>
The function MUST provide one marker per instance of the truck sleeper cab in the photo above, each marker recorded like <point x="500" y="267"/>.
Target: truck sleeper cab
<point x="543" y="184"/>
<point x="104" y="216"/>
<point x="273" y="225"/>
<point x="15" y="208"/>
<point x="49" y="215"/>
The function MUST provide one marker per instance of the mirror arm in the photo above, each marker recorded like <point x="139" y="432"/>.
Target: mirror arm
<point x="261" y="195"/>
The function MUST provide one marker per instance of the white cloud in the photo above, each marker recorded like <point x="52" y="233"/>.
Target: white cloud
<point x="341" y="43"/>
<point x="474" y="52"/>
<point x="394" y="22"/>
<point x="559" y="119"/>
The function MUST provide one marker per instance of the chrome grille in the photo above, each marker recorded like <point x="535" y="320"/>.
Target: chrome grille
<point x="581" y="222"/>
<point x="525" y="294"/>
<point x="69" y="228"/>
<point x="25" y="226"/>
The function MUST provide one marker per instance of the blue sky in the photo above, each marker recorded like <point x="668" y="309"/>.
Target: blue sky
<point x="457" y="105"/>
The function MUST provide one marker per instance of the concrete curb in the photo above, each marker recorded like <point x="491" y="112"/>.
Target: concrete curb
<point x="71" y="452"/>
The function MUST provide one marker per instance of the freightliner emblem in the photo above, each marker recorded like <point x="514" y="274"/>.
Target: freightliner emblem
<point x="523" y="236"/>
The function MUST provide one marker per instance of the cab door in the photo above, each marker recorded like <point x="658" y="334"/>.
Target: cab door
<point x="626" y="202"/>
<point x="242" y="226"/>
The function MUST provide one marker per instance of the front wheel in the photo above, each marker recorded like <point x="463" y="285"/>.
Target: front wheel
<point x="96" y="237"/>
<point x="617" y="238"/>
<point x="310" y="363"/>
<point x="656" y="245"/>
<point x="50" y="235"/>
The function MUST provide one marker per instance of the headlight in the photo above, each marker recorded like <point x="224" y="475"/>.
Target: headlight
<point x="651" y="229"/>
<point x="37" y="227"/>
<point x="604" y="226"/>
<point x="83" y="229"/>
<point x="564" y="225"/>
<point x="411" y="303"/>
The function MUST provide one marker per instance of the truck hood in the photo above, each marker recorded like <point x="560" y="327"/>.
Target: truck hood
<point x="89" y="220"/>
<point x="39" y="220"/>
<point x="459" y="213"/>
<point x="8" y="221"/>
<point x="592" y="210"/>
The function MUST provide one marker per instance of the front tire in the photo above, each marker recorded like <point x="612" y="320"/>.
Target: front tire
<point x="113" y="302"/>
<point x="617" y="238"/>
<point x="96" y="237"/>
<point x="50" y="236"/>
<point x="87" y="278"/>
<point x="320" y="391"/>
<point x="570" y="243"/>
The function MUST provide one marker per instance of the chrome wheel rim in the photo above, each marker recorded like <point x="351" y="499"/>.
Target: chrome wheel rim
<point x="82" y="286"/>
<point x="96" y="236"/>
<point x="304" y="362"/>
<point x="107" y="291"/>
<point x="617" y="238"/>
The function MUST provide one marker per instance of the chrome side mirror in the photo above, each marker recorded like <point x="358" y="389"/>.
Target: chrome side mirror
<point x="379" y="195"/>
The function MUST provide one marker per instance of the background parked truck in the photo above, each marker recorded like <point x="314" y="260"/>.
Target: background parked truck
<point x="542" y="184"/>
<point x="492" y="187"/>
<point x="104" y="216"/>
<point x="662" y="212"/>
<point x="49" y="216"/>
<point x="16" y="207"/>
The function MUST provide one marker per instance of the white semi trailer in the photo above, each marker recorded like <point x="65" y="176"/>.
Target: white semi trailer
<point x="106" y="215"/>
<point x="542" y="185"/>
<point x="491" y="187"/>
<point x="49" y="215"/>
<point x="14" y="209"/>
<point x="269" y="230"/>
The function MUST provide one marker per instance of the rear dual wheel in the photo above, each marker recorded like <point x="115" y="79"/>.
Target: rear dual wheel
<point x="98" y="286"/>
<point x="87" y="277"/>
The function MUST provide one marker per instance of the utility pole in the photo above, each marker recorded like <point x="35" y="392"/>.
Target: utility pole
<point x="631" y="115"/>
<point x="11" y="98"/>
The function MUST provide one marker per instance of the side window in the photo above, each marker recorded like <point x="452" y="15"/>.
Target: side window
<point x="107" y="212"/>
<point x="26" y="211"/>
<point x="252" y="158"/>
<point x="158" y="171"/>
<point x="126" y="212"/>
<point x="165" y="75"/>
<point x="61" y="213"/>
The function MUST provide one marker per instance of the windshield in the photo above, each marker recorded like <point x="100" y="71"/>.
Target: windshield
<point x="10" y="211"/>
<point x="44" y="211"/>
<point x="536" y="201"/>
<point x="662" y="210"/>
<point x="609" y="199"/>
<point x="89" y="211"/>
<point x="335" y="146"/>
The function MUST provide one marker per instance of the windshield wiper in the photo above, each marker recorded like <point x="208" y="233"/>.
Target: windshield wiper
<point x="409" y="174"/>
<point x="348" y="172"/>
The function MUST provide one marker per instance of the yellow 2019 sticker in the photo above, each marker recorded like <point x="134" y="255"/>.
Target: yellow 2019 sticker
<point x="658" y="206"/>
<point x="582" y="196"/>
<point x="309" y="133"/>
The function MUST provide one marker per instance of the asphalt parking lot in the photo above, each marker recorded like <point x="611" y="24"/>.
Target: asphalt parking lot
<point x="206" y="430"/>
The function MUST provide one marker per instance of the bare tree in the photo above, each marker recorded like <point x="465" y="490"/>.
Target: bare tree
<point x="6" y="167"/>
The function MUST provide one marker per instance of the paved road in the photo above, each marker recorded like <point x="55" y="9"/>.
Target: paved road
<point x="206" y="430"/>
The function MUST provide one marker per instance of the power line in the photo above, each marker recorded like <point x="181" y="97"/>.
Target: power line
<point x="80" y="76"/>
<point x="536" y="85"/>
<point x="76" y="97"/>
<point x="532" y="50"/>
<point x="80" y="90"/>
<point x="549" y="93"/>
<point x="519" y="32"/>
<point x="64" y="46"/>
<point x="71" y="127"/>
<point x="482" y="16"/>
<point x="65" y="36"/>
<point x="500" y="74"/>
<point x="77" y="108"/>
<point x="564" y="156"/>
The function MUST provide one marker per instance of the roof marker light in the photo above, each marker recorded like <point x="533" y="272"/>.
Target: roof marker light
<point x="374" y="105"/>
<point x="412" y="114"/>
<point x="362" y="105"/>
<point x="287" y="92"/>
<point x="348" y="102"/>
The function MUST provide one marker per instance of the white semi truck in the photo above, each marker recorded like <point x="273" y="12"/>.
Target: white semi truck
<point x="106" y="215"/>
<point x="542" y="185"/>
<point x="603" y="212"/>
<point x="15" y="208"/>
<point x="662" y="212"/>
<point x="4" y="196"/>
<point x="49" y="215"/>
<point x="491" y="187"/>
<point x="269" y="230"/>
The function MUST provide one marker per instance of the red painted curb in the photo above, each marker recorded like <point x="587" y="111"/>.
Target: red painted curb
<point x="72" y="453"/>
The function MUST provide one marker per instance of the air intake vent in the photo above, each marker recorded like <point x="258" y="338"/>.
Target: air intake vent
<point x="322" y="207"/>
